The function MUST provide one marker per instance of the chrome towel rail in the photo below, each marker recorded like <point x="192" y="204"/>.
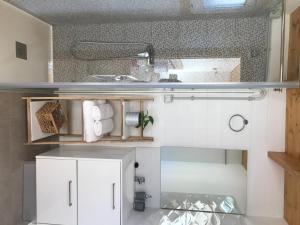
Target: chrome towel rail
<point x="145" y="52"/>
<point x="254" y="95"/>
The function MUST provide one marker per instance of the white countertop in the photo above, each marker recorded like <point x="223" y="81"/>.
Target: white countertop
<point x="87" y="152"/>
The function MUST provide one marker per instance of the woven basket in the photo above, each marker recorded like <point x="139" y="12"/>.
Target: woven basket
<point x="51" y="117"/>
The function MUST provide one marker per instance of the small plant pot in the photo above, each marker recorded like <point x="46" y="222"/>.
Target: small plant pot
<point x="132" y="119"/>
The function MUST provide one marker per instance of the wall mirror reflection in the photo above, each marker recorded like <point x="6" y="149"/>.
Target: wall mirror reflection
<point x="205" y="180"/>
<point x="199" y="70"/>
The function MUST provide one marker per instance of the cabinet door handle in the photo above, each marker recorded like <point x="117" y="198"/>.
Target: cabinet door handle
<point x="113" y="196"/>
<point x="70" y="193"/>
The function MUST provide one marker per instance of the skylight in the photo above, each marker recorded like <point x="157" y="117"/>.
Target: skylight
<point x="224" y="3"/>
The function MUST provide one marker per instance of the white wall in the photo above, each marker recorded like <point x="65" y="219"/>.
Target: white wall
<point x="16" y="25"/>
<point x="205" y="124"/>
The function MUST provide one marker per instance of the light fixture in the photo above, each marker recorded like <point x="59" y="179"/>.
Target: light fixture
<point x="224" y="3"/>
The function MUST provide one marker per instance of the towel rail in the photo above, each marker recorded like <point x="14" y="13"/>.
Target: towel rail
<point x="256" y="95"/>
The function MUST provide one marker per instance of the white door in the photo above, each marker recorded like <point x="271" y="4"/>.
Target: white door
<point x="99" y="201"/>
<point x="56" y="191"/>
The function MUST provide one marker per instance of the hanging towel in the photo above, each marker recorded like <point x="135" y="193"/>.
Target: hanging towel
<point x="103" y="127"/>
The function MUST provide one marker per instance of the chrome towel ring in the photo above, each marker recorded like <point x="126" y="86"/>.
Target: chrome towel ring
<point x="245" y="123"/>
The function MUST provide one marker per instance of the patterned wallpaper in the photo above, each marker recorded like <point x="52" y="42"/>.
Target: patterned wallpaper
<point x="245" y="37"/>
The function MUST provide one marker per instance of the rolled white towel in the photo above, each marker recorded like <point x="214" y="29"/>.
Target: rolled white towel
<point x="102" y="112"/>
<point x="103" y="127"/>
<point x="96" y="114"/>
<point x="100" y="102"/>
<point x="89" y="135"/>
<point x="106" y="111"/>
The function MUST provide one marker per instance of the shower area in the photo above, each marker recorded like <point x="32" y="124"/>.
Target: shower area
<point x="211" y="41"/>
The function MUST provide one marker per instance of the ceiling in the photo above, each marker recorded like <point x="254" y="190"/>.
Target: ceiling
<point x="105" y="11"/>
<point x="292" y="5"/>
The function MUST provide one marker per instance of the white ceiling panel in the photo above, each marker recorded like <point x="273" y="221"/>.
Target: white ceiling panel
<point x="105" y="11"/>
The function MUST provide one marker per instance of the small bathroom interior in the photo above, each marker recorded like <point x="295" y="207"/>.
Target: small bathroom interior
<point x="133" y="112"/>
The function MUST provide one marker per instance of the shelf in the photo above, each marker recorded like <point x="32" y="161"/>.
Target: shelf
<point x="111" y="139"/>
<point x="72" y="132"/>
<point x="290" y="164"/>
<point x="91" y="97"/>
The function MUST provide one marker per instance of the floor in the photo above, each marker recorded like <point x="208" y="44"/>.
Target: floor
<point x="171" y="217"/>
<point x="199" y="202"/>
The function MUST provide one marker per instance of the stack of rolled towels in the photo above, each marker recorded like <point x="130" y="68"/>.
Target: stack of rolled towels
<point x="97" y="119"/>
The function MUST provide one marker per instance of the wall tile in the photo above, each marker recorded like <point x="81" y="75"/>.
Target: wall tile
<point x="109" y="67"/>
<point x="13" y="153"/>
<point x="193" y="34"/>
<point x="69" y="70"/>
<point x="63" y="39"/>
<point x="138" y="32"/>
<point x="6" y="217"/>
<point x="5" y="165"/>
<point x="251" y="31"/>
<point x="221" y="33"/>
<point x="165" y="37"/>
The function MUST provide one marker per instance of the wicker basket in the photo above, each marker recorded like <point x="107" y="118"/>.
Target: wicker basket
<point x="51" y="117"/>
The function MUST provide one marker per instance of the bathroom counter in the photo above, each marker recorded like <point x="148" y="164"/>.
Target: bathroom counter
<point x="169" y="217"/>
<point x="87" y="152"/>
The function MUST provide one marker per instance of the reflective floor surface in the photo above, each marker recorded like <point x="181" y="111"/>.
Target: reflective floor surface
<point x="199" y="202"/>
<point x="173" y="217"/>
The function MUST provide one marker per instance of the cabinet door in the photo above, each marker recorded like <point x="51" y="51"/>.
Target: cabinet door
<point x="56" y="191"/>
<point x="99" y="201"/>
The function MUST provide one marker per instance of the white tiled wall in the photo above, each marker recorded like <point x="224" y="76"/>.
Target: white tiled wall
<point x="205" y="124"/>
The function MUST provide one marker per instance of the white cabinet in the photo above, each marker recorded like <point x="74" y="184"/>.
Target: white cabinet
<point x="56" y="191"/>
<point x="85" y="185"/>
<point x="99" y="192"/>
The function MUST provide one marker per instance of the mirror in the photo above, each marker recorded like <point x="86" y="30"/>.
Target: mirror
<point x="199" y="70"/>
<point x="204" y="180"/>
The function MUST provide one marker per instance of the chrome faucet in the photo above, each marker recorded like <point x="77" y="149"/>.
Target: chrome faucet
<point x="140" y="180"/>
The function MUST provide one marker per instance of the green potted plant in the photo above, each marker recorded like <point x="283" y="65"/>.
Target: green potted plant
<point x="144" y="120"/>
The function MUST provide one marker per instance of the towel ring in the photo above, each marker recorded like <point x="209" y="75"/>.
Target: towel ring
<point x="245" y="123"/>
